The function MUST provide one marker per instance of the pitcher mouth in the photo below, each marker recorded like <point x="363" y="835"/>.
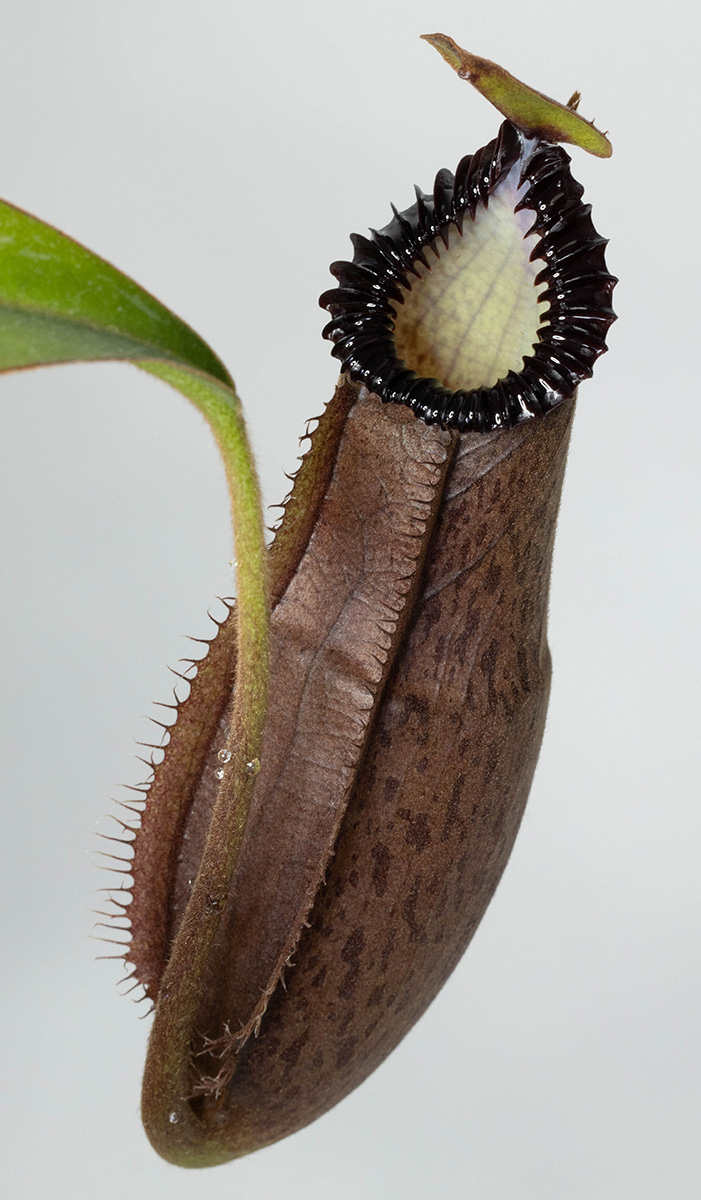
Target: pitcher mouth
<point x="482" y="324"/>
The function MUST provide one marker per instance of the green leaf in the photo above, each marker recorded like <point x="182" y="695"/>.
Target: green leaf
<point x="61" y="303"/>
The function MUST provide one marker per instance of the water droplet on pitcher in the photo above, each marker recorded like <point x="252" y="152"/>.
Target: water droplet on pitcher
<point x="224" y="755"/>
<point x="173" y="1118"/>
<point x="219" y="773"/>
<point x="253" y="767"/>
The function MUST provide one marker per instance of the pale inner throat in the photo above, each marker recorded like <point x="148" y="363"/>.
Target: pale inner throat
<point x="474" y="315"/>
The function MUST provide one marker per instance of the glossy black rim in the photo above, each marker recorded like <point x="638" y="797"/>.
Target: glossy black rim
<point x="574" y="279"/>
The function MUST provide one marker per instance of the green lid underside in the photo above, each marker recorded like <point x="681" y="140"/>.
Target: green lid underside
<point x="526" y="108"/>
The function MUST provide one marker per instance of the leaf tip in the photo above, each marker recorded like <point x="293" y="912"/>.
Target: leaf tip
<point x="446" y="47"/>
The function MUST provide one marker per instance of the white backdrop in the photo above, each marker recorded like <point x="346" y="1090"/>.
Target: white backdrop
<point x="220" y="153"/>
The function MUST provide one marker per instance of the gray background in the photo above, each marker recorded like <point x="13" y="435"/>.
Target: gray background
<point x="220" y="153"/>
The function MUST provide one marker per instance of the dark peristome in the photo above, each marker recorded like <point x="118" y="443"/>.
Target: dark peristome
<point x="578" y="290"/>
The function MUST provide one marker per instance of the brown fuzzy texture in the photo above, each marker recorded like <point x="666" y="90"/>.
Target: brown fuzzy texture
<point x="410" y="677"/>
